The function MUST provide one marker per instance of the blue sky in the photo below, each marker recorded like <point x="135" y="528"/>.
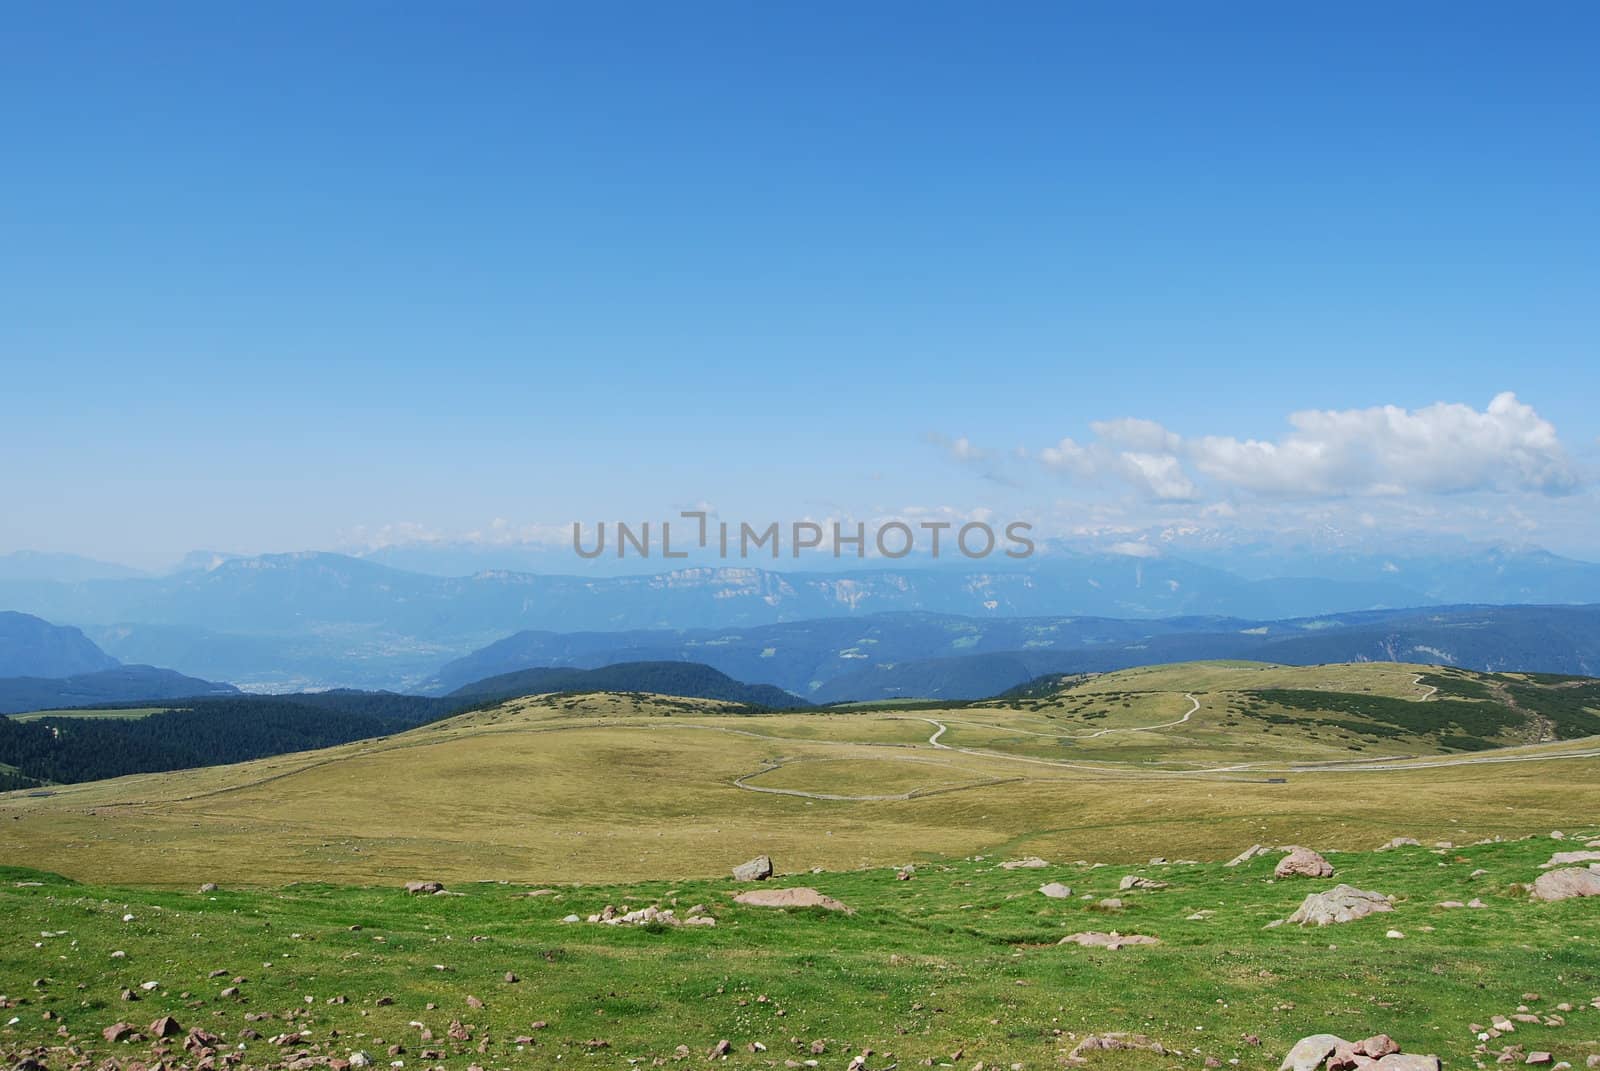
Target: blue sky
<point x="295" y="275"/>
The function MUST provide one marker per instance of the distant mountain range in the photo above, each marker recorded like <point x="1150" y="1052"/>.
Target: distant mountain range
<point x="891" y="656"/>
<point x="290" y="622"/>
<point x="30" y="646"/>
<point x="119" y="685"/>
<point x="44" y="665"/>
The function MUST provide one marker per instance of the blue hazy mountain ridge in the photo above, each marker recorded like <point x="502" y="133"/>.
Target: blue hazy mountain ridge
<point x="287" y="621"/>
<point x="54" y="566"/>
<point x="33" y="647"/>
<point x="286" y="591"/>
<point x="940" y="656"/>
<point x="121" y="684"/>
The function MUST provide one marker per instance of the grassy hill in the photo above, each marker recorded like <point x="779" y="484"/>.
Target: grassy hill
<point x="688" y="679"/>
<point x="1185" y="761"/>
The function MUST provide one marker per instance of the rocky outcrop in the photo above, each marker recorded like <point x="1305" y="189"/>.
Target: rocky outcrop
<point x="1568" y="858"/>
<point x="1032" y="862"/>
<point x="1377" y="1053"/>
<point x="646" y="916"/>
<point x="796" y="897"/>
<point x="1135" y="881"/>
<point x="1342" y="903"/>
<point x="1116" y="1042"/>
<point x="1112" y="940"/>
<point x="1566" y="884"/>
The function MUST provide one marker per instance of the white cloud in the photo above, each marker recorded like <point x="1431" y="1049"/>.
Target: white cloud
<point x="1154" y="474"/>
<point x="1384" y="451"/>
<point x="1441" y="449"/>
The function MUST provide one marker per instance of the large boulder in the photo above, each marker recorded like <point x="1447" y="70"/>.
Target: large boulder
<point x="1304" y="863"/>
<point x="1342" y="903"/>
<point x="1406" y="1061"/>
<point x="1565" y="884"/>
<point x="1308" y="1053"/>
<point x="757" y="869"/>
<point x="797" y="897"/>
<point x="1055" y="890"/>
<point x="424" y="888"/>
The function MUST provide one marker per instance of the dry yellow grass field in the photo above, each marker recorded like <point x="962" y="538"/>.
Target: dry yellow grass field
<point x="613" y="788"/>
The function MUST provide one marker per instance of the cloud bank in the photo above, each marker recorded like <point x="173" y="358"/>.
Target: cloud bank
<point x="1446" y="448"/>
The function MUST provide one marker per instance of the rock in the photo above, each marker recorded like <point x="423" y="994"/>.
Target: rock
<point x="1395" y="935"/>
<point x="1247" y="855"/>
<point x="360" y="1058"/>
<point x="1055" y="890"/>
<point x="1538" y="1058"/>
<point x="1032" y="862"/>
<point x="1303" y="862"/>
<point x="796" y="897"/>
<point x="1110" y="903"/>
<point x="209" y="886"/>
<point x="1568" y="858"/>
<point x="1451" y="904"/>
<point x="165" y="1027"/>
<point x="424" y="888"/>
<point x="757" y="869"/>
<point x="1134" y="881"/>
<point x="1377" y="1046"/>
<point x="1400" y="842"/>
<point x="1111" y="940"/>
<point x="117" y="1032"/>
<point x="512" y="978"/>
<point x="722" y="1048"/>
<point x="1476" y="903"/>
<point x="1404" y="1061"/>
<point x="1309" y="1052"/>
<point x="1566" y="884"/>
<point x="1342" y="903"/>
<point x="1113" y="1043"/>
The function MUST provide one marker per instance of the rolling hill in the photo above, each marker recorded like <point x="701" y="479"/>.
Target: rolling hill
<point x="686" y="679"/>
<point x="622" y="787"/>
